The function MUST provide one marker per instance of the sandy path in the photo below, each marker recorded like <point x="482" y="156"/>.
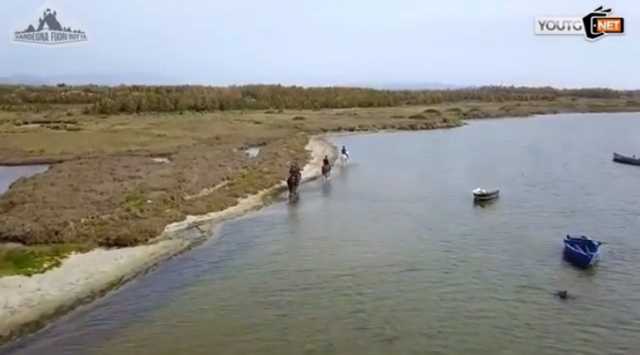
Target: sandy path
<point x="26" y="303"/>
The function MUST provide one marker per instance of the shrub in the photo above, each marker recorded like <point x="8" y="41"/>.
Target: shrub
<point x="432" y="111"/>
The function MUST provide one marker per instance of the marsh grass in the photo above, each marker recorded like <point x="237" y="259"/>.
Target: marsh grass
<point x="30" y="260"/>
<point x="418" y="116"/>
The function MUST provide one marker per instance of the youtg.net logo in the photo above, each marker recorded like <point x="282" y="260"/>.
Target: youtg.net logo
<point x="49" y="31"/>
<point x="597" y="24"/>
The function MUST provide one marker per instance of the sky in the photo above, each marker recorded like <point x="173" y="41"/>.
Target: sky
<point x="323" y="42"/>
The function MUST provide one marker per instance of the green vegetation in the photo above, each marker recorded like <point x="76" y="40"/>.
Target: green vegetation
<point x="21" y="260"/>
<point x="134" y="203"/>
<point x="273" y="98"/>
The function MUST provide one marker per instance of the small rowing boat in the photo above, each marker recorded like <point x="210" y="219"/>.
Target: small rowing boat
<point x="485" y="195"/>
<point x="581" y="251"/>
<point x="619" y="158"/>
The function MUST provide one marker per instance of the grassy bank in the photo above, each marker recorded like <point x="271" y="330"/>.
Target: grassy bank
<point x="119" y="179"/>
<point x="29" y="260"/>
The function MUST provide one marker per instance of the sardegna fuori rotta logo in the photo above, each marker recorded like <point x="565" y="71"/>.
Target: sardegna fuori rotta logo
<point x="595" y="25"/>
<point x="49" y="30"/>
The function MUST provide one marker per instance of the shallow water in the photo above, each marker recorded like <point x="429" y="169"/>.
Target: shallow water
<point x="9" y="174"/>
<point x="392" y="256"/>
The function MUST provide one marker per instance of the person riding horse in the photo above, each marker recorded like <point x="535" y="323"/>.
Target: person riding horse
<point x="344" y="152"/>
<point x="295" y="176"/>
<point x="326" y="167"/>
<point x="295" y="170"/>
<point x="344" y="155"/>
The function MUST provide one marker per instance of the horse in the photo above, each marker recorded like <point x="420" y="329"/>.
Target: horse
<point x="326" y="170"/>
<point x="292" y="183"/>
<point x="344" y="158"/>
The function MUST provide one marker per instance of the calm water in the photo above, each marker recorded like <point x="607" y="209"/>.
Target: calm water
<point x="392" y="257"/>
<point x="9" y="174"/>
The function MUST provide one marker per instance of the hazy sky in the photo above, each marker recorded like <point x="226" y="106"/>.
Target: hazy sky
<point x="321" y="42"/>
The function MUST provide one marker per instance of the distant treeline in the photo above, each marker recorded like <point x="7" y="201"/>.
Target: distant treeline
<point x="134" y="99"/>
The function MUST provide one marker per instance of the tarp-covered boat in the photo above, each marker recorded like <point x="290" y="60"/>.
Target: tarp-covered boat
<point x="581" y="251"/>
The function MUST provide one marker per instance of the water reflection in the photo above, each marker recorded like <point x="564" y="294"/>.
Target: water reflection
<point x="326" y="187"/>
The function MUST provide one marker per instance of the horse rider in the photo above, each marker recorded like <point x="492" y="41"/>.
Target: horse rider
<point x="294" y="170"/>
<point x="325" y="161"/>
<point x="344" y="152"/>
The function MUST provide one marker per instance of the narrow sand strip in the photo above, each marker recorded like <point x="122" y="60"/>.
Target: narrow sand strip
<point x="26" y="303"/>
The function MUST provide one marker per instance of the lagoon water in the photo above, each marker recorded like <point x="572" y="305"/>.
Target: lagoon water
<point x="9" y="174"/>
<point x="392" y="257"/>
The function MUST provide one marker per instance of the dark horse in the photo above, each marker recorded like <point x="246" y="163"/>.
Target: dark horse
<point x="326" y="170"/>
<point x="292" y="183"/>
<point x="326" y="167"/>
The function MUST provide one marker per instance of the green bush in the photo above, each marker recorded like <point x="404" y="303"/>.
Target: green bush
<point x="133" y="99"/>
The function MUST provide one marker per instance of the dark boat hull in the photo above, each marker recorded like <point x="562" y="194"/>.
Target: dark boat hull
<point x="491" y="195"/>
<point x="581" y="252"/>
<point x="619" y="158"/>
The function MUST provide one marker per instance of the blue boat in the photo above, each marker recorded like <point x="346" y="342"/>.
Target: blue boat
<point x="581" y="251"/>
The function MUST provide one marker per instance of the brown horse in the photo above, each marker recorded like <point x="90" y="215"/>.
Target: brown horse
<point x="326" y="170"/>
<point x="292" y="183"/>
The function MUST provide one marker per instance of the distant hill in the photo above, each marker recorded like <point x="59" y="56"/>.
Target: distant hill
<point x="408" y="86"/>
<point x="153" y="79"/>
<point x="21" y="79"/>
<point x="87" y="79"/>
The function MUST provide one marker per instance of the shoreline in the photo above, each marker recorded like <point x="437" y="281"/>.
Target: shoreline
<point x="29" y="303"/>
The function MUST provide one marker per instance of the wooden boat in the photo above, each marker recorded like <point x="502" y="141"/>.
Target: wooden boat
<point x="485" y="195"/>
<point x="619" y="158"/>
<point x="581" y="251"/>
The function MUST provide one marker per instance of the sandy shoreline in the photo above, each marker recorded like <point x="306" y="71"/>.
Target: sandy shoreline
<point x="27" y="303"/>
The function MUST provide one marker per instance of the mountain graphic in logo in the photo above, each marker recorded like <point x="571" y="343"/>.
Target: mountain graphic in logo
<point x="49" y="32"/>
